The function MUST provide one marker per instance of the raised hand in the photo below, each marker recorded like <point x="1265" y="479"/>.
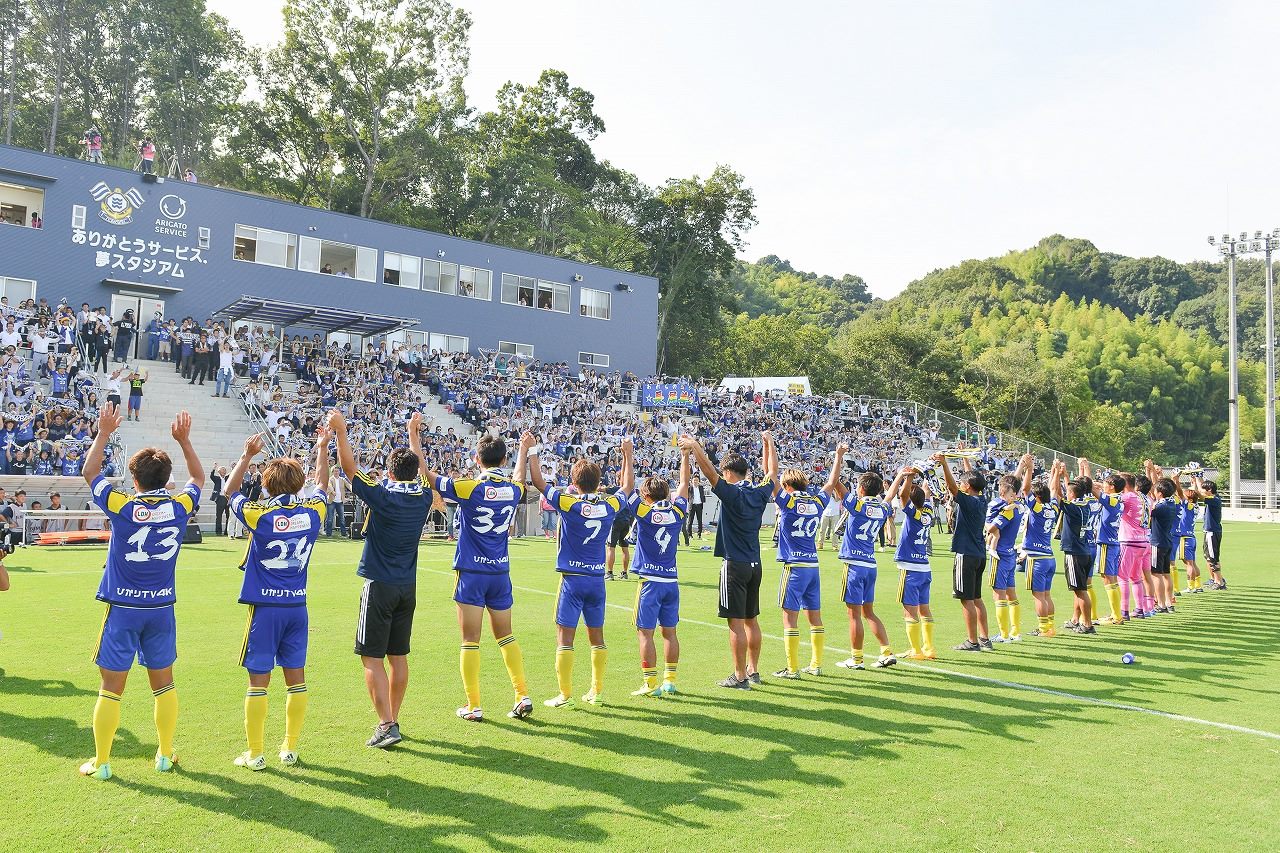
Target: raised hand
<point x="180" y="429"/>
<point x="322" y="437"/>
<point x="109" y="419"/>
<point x="528" y="440"/>
<point x="627" y="446"/>
<point x="254" y="444"/>
<point x="688" y="443"/>
<point x="336" y="422"/>
<point x="415" y="423"/>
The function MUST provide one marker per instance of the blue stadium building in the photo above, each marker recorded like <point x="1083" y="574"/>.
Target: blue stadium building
<point x="118" y="238"/>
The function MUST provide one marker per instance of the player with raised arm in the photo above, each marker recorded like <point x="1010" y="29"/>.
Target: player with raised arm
<point x="799" y="516"/>
<point x="138" y="583"/>
<point x="584" y="528"/>
<point x="659" y="521"/>
<point x="912" y="560"/>
<point x="1185" y="534"/>
<point x="1164" y="522"/>
<point x="1042" y="508"/>
<point x="1106" y="561"/>
<point x="1002" y="519"/>
<point x="1077" y="505"/>
<point x="282" y="532"/>
<point x="867" y="513"/>
<point x="398" y="509"/>
<point x="482" y="561"/>
<point x="1208" y="490"/>
<point x="970" y="551"/>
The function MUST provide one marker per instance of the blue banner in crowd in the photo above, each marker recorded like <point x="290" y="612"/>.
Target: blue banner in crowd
<point x="666" y="395"/>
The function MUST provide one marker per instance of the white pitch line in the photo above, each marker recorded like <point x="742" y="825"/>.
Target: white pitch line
<point x="1013" y="685"/>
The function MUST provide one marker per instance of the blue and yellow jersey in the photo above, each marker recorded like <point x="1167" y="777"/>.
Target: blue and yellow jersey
<point x="866" y="517"/>
<point x="487" y="506"/>
<point x="1109" y="519"/>
<point x="1042" y="520"/>
<point x="1186" y="525"/>
<point x="1095" y="519"/>
<point x="282" y="532"/>
<point x="913" y="541"/>
<point x="1005" y="516"/>
<point x="799" y="514"/>
<point x="657" y="534"/>
<point x="146" y="533"/>
<point x="392" y="527"/>
<point x="584" y="529"/>
<point x="1077" y="522"/>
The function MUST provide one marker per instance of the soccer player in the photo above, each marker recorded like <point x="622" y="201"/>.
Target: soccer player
<point x="282" y="531"/>
<point x="482" y="561"/>
<point x="1212" y="529"/>
<point x="742" y="507"/>
<point x="1135" y="547"/>
<point x="1185" y="533"/>
<point x="398" y="509"/>
<point x="867" y="514"/>
<point x="659" y="522"/>
<point x="138" y="583"/>
<point x="1077" y="550"/>
<point x="584" y="526"/>
<point x="619" y="533"/>
<point x="1042" y="511"/>
<point x="912" y="559"/>
<point x="1164" y="520"/>
<point x="1108" y="493"/>
<point x="1003" y="517"/>
<point x="799" y="516"/>
<point x="971" y="553"/>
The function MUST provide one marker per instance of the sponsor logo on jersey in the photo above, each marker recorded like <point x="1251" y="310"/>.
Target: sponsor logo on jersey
<point x="141" y="515"/>
<point x="662" y="517"/>
<point x="806" y="508"/>
<point x="152" y="515"/>
<point x="499" y="493"/>
<point x="590" y="510"/>
<point x="291" y="523"/>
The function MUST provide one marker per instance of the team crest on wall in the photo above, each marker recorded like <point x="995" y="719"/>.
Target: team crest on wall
<point x="117" y="205"/>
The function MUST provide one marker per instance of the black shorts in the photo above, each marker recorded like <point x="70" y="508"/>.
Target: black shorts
<point x="619" y="531"/>
<point x="740" y="590"/>
<point x="1212" y="547"/>
<point x="1159" y="561"/>
<point x="1079" y="568"/>
<point x="385" y="624"/>
<point x="967" y="577"/>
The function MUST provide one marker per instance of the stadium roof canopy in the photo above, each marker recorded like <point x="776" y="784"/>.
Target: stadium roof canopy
<point x="326" y="319"/>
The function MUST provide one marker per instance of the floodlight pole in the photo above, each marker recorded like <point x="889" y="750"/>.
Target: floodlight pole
<point x="1272" y="243"/>
<point x="1233" y="375"/>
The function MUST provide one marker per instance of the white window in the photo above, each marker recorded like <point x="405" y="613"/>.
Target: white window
<point x="553" y="296"/>
<point x="511" y="348"/>
<point x="448" y="343"/>
<point x="401" y="270"/>
<point x="264" y="246"/>
<point x="338" y="259"/>
<point x="594" y="303"/>
<point x="593" y="359"/>
<point x="18" y="203"/>
<point x="77" y="215"/>
<point x="518" y="290"/>
<point x="204" y="237"/>
<point x="17" y="289"/>
<point x="341" y="338"/>
<point x="475" y="283"/>
<point x="439" y="276"/>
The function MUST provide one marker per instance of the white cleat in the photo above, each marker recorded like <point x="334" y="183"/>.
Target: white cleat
<point x="885" y="661"/>
<point x="253" y="762"/>
<point x="559" y="701"/>
<point x="288" y="757"/>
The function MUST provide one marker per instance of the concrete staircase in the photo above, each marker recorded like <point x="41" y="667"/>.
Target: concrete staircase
<point x="219" y="426"/>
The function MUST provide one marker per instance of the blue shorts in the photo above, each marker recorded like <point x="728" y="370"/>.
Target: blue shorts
<point x="1003" y="569"/>
<point x="859" y="585"/>
<point x="657" y="603"/>
<point x="1040" y="572"/>
<point x="580" y="597"/>
<point x="148" y="633"/>
<point x="135" y="402"/>
<point x="483" y="590"/>
<point x="1185" y="548"/>
<point x="800" y="588"/>
<point x="1108" y="559"/>
<point x="913" y="588"/>
<point x="275" y="636"/>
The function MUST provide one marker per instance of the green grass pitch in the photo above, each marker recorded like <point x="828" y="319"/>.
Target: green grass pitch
<point x="911" y="758"/>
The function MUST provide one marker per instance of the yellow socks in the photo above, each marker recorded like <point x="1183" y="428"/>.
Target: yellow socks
<point x="564" y="670"/>
<point x="514" y="660"/>
<point x="1093" y="602"/>
<point x="1003" y="618"/>
<point x="1113" y="600"/>
<point x="927" y="627"/>
<point x="791" y="641"/>
<point x="469" y="665"/>
<point x="1015" y="619"/>
<point x="818" y="637"/>
<point x="650" y="674"/>
<point x="669" y="674"/>
<point x="1046" y="625"/>
<point x="166" y="717"/>
<point x="106" y="719"/>
<point x="255" y="719"/>
<point x="857" y="655"/>
<point x="1173" y="578"/>
<point x="599" y="656"/>
<point x="295" y="711"/>
<point x="914" y="631"/>
<point x="885" y="651"/>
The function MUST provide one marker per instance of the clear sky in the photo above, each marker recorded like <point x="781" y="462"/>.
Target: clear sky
<point x="888" y="139"/>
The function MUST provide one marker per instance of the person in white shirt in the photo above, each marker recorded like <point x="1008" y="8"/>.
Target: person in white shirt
<point x="337" y="514"/>
<point x="10" y="337"/>
<point x="829" y="524"/>
<point x="222" y="386"/>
